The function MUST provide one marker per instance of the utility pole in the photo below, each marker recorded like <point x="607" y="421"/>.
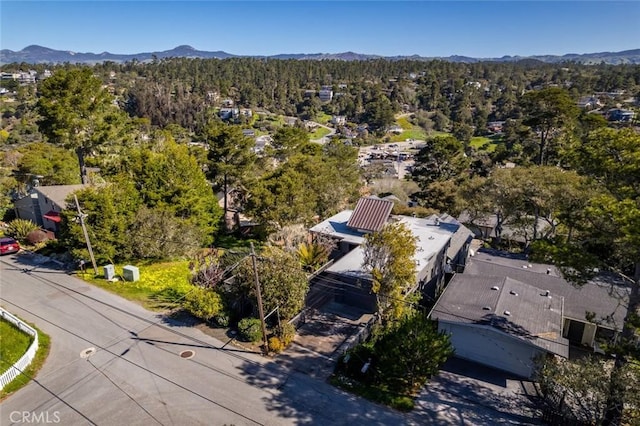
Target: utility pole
<point x="81" y="217"/>
<point x="265" y="347"/>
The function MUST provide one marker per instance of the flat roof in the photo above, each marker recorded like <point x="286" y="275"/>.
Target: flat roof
<point x="432" y="234"/>
<point x="513" y="307"/>
<point x="603" y="296"/>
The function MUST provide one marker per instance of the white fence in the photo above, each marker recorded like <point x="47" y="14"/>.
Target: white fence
<point x="26" y="359"/>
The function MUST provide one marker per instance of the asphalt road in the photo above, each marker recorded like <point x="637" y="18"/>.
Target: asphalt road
<point x="136" y="375"/>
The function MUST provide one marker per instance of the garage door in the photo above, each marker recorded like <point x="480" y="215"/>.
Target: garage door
<point x="492" y="348"/>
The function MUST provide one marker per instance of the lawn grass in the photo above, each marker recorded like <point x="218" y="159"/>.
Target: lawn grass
<point x="319" y="133"/>
<point x="44" y="344"/>
<point x="482" y="143"/>
<point x="161" y="285"/>
<point x="404" y="123"/>
<point x="409" y="131"/>
<point x="322" y="118"/>
<point x="13" y="344"/>
<point x="416" y="133"/>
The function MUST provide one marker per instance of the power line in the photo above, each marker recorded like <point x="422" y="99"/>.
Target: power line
<point x="50" y="391"/>
<point x="124" y="392"/>
<point x="140" y="366"/>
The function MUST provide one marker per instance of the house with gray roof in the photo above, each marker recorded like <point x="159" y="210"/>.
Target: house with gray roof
<point x="501" y="322"/>
<point x="593" y="312"/>
<point x="505" y="311"/>
<point x="43" y="204"/>
<point x="442" y="242"/>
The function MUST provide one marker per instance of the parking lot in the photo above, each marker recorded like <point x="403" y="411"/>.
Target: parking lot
<point x="395" y="156"/>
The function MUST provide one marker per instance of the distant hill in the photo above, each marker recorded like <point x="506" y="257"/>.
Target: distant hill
<point x="38" y="54"/>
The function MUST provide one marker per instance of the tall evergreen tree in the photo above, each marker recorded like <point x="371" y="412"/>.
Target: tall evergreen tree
<point x="77" y="112"/>
<point x="230" y="157"/>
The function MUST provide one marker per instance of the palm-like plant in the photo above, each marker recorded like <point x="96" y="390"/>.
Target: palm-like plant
<point x="20" y="229"/>
<point x="312" y="255"/>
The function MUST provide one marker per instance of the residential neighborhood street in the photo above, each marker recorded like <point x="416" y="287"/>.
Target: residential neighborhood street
<point x="137" y="376"/>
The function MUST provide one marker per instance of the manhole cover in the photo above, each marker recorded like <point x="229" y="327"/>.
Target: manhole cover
<point x="87" y="352"/>
<point x="187" y="354"/>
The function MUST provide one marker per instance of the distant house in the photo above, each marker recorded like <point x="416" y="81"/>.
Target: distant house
<point x="227" y="103"/>
<point x="486" y="227"/>
<point x="495" y="126"/>
<point x="43" y="205"/>
<point x="589" y="102"/>
<point x="261" y="142"/>
<point x="290" y="121"/>
<point x="442" y="242"/>
<point x="396" y="129"/>
<point x="228" y="113"/>
<point x="249" y="132"/>
<point x="618" y="114"/>
<point x="339" y="120"/>
<point x="325" y="95"/>
<point x="246" y="112"/>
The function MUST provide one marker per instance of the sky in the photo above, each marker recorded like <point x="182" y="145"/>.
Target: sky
<point x="481" y="29"/>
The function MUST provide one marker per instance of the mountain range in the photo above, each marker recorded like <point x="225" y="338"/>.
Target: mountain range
<point x="38" y="54"/>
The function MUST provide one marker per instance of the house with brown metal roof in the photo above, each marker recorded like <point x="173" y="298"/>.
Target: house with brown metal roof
<point x="443" y="244"/>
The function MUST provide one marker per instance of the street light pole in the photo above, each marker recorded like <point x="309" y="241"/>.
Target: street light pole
<point x="81" y="217"/>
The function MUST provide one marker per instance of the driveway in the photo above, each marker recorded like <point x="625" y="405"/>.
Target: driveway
<point x="323" y="338"/>
<point x="467" y="393"/>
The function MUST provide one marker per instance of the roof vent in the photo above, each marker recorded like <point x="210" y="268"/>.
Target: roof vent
<point x="486" y="308"/>
<point x="513" y="292"/>
<point x="495" y="287"/>
<point x="507" y="313"/>
<point x="547" y="293"/>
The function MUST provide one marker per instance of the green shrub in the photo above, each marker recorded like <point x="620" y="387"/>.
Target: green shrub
<point x="20" y="229"/>
<point x="286" y="333"/>
<point x="250" y="329"/>
<point x="275" y="345"/>
<point x="222" y="319"/>
<point x="50" y="247"/>
<point x="203" y="303"/>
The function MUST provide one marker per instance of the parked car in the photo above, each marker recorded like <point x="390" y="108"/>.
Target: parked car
<point x="9" y="245"/>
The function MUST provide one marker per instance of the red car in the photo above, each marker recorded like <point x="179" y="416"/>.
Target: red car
<point x="9" y="245"/>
